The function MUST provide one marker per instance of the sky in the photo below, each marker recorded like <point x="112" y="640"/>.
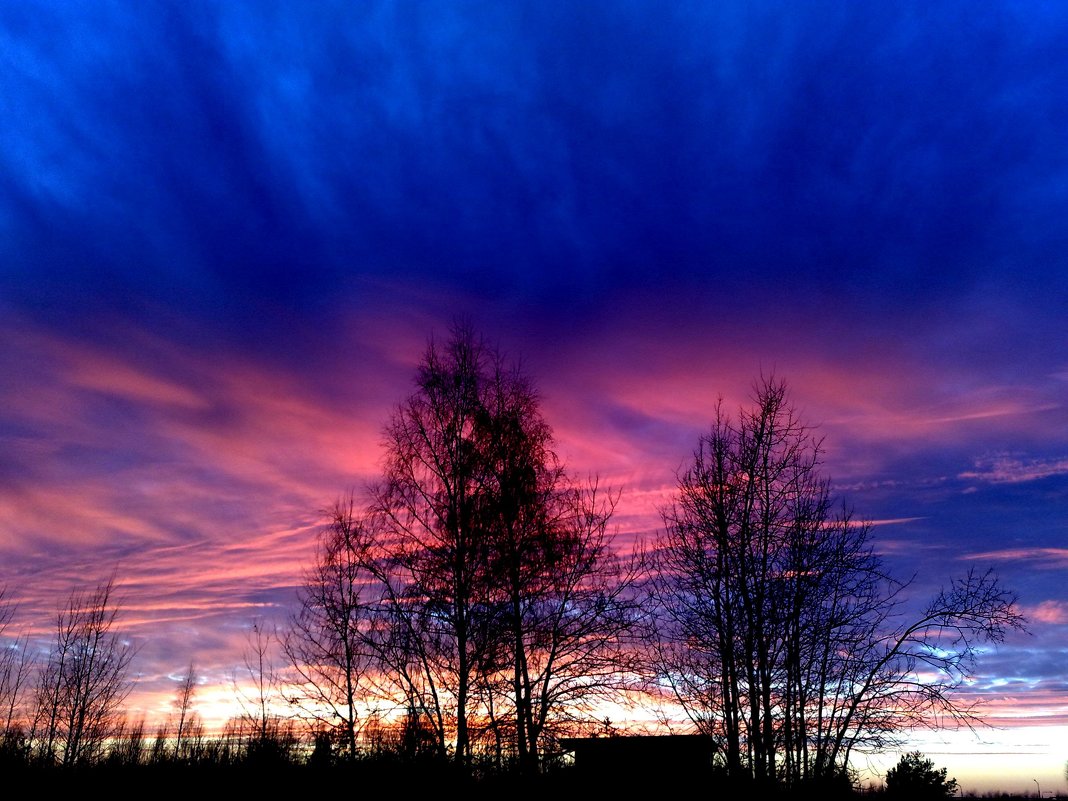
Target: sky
<point x="228" y="231"/>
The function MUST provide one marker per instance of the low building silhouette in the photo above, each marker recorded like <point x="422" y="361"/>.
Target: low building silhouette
<point x="641" y="755"/>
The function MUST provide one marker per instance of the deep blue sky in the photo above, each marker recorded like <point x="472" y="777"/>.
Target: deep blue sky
<point x="227" y="230"/>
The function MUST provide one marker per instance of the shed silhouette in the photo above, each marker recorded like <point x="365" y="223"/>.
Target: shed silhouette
<point x="675" y="754"/>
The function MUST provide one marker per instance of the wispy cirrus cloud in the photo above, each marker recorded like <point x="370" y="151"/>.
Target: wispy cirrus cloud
<point x="1010" y="469"/>
<point x="1039" y="558"/>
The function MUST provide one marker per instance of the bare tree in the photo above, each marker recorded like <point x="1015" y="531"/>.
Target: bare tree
<point x="429" y="499"/>
<point x="569" y="612"/>
<point x="16" y="668"/>
<point x="257" y="686"/>
<point x="85" y="680"/>
<point x="188" y="723"/>
<point x="328" y="642"/>
<point x="267" y="735"/>
<point x="781" y="632"/>
<point x="16" y="665"/>
<point x="504" y="603"/>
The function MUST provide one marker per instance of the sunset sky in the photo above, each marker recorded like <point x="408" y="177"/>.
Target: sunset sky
<point x="227" y="231"/>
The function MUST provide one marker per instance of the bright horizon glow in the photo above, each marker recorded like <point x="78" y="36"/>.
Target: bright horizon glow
<point x="997" y="759"/>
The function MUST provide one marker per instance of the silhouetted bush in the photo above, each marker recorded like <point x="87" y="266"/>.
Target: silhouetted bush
<point x="915" y="777"/>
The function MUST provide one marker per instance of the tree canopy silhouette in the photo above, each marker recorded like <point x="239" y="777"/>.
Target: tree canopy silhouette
<point x="507" y="605"/>
<point x="84" y="682"/>
<point x="915" y="776"/>
<point x="782" y="633"/>
<point x="327" y="644"/>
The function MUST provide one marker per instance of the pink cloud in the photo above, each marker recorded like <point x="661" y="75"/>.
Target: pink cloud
<point x="868" y="410"/>
<point x="1025" y="705"/>
<point x="109" y="376"/>
<point x="1051" y="612"/>
<point x="1043" y="558"/>
<point x="1006" y="469"/>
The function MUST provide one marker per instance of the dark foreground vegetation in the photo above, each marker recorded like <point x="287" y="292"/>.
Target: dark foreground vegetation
<point x="284" y="766"/>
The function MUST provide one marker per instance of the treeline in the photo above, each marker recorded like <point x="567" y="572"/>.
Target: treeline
<point x="471" y="606"/>
<point x="65" y="709"/>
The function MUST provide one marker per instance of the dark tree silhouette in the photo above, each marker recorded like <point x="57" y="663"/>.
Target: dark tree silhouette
<point x="84" y="682"/>
<point x="781" y="633"/>
<point x="16" y="666"/>
<point x="505" y="602"/>
<point x="16" y="670"/>
<point x="329" y="645"/>
<point x="268" y="736"/>
<point x="567" y="613"/>
<point x="560" y="598"/>
<point x="914" y="776"/>
<point x="187" y="727"/>
<point x="428" y="498"/>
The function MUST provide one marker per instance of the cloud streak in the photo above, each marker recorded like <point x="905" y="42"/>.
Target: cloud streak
<point x="1037" y="558"/>
<point x="1006" y="469"/>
